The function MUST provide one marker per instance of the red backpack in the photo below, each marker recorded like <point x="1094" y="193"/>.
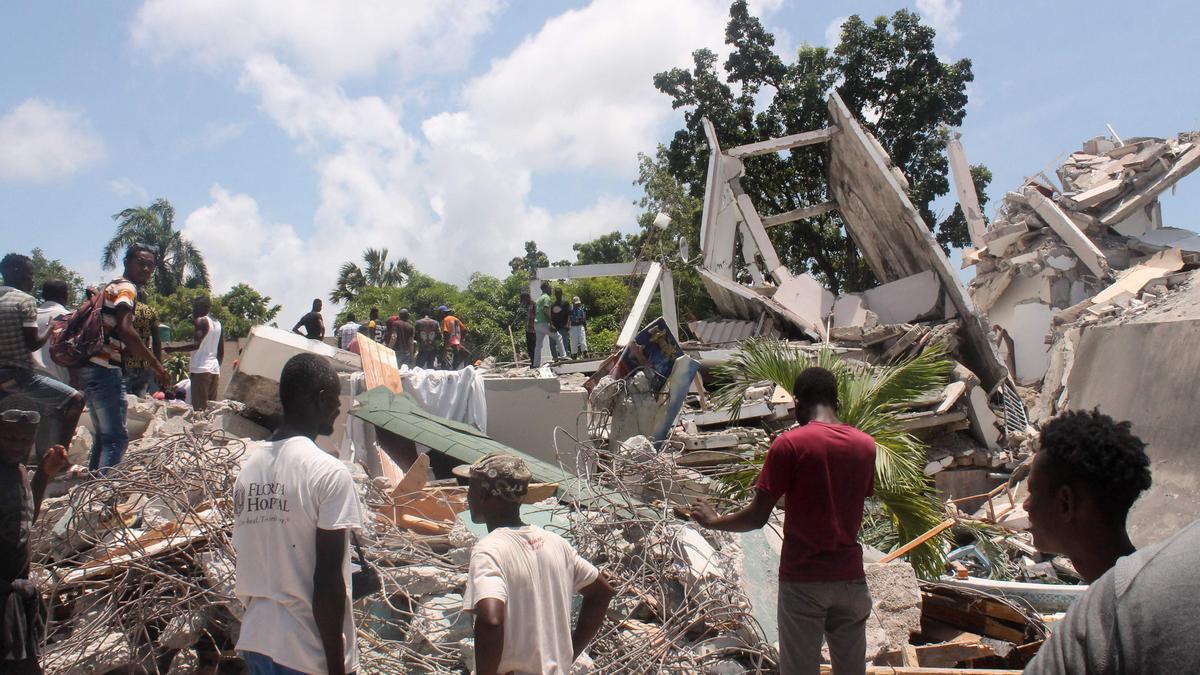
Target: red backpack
<point x="77" y="336"/>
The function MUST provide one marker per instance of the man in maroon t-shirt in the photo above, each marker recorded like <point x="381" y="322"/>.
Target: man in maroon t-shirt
<point x="826" y="470"/>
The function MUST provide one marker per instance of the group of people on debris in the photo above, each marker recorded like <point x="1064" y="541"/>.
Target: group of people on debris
<point x="297" y="509"/>
<point x="554" y="327"/>
<point x="425" y="343"/>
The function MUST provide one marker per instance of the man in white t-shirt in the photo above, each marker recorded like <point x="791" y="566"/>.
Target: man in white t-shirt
<point x="294" y="506"/>
<point x="348" y="332"/>
<point x="522" y="581"/>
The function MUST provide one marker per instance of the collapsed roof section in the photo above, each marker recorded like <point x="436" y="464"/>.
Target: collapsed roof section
<point x="871" y="196"/>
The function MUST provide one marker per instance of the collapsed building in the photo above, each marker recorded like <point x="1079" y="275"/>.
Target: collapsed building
<point x="138" y="568"/>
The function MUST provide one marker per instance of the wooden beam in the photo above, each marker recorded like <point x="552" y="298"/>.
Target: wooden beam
<point x="938" y="529"/>
<point x="783" y="143"/>
<point x="379" y="365"/>
<point x="799" y="214"/>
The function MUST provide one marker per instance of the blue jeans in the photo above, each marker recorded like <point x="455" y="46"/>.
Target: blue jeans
<point x="261" y="664"/>
<point x="105" y="391"/>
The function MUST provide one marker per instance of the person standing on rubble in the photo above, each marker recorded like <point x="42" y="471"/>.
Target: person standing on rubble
<point x="139" y="381"/>
<point x="522" y="581"/>
<point x="101" y="377"/>
<point x="560" y="317"/>
<point x="347" y="333"/>
<point x="579" y="346"/>
<point x="826" y="471"/>
<point x="453" y="331"/>
<point x="429" y="342"/>
<point x="22" y="618"/>
<point x="294" y="506"/>
<point x="399" y="338"/>
<point x="1087" y="473"/>
<point x="541" y="325"/>
<point x="19" y="339"/>
<point x="313" y="322"/>
<point x="208" y="351"/>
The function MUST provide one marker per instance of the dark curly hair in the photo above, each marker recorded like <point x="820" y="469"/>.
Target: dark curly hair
<point x="1092" y="450"/>
<point x="816" y="385"/>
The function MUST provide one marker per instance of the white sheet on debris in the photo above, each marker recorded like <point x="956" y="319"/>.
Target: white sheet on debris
<point x="454" y="394"/>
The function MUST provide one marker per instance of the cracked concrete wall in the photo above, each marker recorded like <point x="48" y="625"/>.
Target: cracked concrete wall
<point x="889" y="231"/>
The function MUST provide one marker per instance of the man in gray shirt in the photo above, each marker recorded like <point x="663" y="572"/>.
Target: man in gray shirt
<point x="1142" y="616"/>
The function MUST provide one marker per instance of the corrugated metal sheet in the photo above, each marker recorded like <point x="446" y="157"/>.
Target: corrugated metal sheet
<point x="742" y="302"/>
<point x="730" y="331"/>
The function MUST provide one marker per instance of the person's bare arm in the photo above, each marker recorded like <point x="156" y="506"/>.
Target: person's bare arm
<point x="329" y="597"/>
<point x="489" y="635"/>
<point x="221" y="350"/>
<point x="752" y="516"/>
<point x="156" y="341"/>
<point x="296" y="328"/>
<point x="199" y="330"/>
<point x="320" y="327"/>
<point x="133" y="343"/>
<point x="596" y="597"/>
<point x="53" y="462"/>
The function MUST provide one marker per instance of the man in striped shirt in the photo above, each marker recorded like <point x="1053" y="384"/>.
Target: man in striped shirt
<point x="102" y="378"/>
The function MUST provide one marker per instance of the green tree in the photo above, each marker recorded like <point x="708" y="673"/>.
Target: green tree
<point x="870" y="399"/>
<point x="175" y="310"/>
<point x="613" y="247"/>
<point x="531" y="261"/>
<point x="45" y="269"/>
<point x="376" y="271"/>
<point x="246" y="308"/>
<point x="180" y="262"/>
<point x="888" y="75"/>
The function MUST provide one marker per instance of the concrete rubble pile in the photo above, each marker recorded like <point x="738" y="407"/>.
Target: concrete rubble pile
<point x="1094" y="247"/>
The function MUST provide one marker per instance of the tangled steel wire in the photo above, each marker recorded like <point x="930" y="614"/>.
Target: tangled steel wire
<point x="680" y="606"/>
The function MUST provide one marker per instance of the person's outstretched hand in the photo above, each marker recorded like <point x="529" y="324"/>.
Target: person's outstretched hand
<point x="54" y="461"/>
<point x="703" y="513"/>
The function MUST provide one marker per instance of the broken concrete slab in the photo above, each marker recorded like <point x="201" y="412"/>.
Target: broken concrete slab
<point x="1182" y="167"/>
<point x="807" y="298"/>
<point x="1084" y="249"/>
<point x="906" y="300"/>
<point x="983" y="420"/>
<point x="849" y="310"/>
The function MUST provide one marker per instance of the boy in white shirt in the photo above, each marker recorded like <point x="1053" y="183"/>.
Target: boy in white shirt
<point x="522" y="581"/>
<point x="294" y="506"/>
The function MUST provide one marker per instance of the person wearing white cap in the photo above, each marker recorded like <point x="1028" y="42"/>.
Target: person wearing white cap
<point x="578" y="320"/>
<point x="523" y="579"/>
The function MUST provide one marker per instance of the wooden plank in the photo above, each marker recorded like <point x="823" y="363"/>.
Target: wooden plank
<point x="799" y="214"/>
<point x="933" y="532"/>
<point x="950" y="612"/>
<point x="379" y="365"/>
<point x="783" y="143"/>
<point x="1186" y="164"/>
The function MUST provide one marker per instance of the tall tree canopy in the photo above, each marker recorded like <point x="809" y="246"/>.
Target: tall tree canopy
<point x="180" y="263"/>
<point x="45" y="269"/>
<point x="531" y="261"/>
<point x="888" y="75"/>
<point x="376" y="271"/>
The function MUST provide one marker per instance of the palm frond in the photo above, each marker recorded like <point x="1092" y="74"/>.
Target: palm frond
<point x="868" y="397"/>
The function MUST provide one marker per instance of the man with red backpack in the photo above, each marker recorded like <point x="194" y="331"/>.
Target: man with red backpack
<point x="19" y="338"/>
<point x="101" y="373"/>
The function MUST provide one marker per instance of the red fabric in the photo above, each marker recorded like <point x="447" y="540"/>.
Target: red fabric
<point x="825" y="472"/>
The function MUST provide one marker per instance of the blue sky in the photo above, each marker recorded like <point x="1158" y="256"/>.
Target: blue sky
<point x="291" y="137"/>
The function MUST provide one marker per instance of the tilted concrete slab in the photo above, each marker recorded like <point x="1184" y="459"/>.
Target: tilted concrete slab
<point x="890" y="234"/>
<point x="907" y="299"/>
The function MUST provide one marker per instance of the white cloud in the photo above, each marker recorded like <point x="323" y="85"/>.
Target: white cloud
<point x="579" y="94"/>
<point x="833" y="32"/>
<point x="454" y="194"/>
<point x="942" y="15"/>
<point x="219" y="134"/>
<point x="328" y="39"/>
<point x="126" y="188"/>
<point x="41" y="142"/>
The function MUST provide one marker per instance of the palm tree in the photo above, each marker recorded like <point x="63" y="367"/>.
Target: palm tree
<point x="180" y="263"/>
<point x="376" y="271"/>
<point x="905" y="503"/>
